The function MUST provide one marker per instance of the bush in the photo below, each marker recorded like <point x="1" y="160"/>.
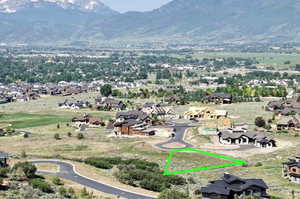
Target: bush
<point x="56" y="136"/>
<point x="63" y="192"/>
<point x="69" y="134"/>
<point x="154" y="185"/>
<point x="3" y="172"/>
<point x="99" y="163"/>
<point x="40" y="184"/>
<point x="260" y="122"/>
<point x="28" y="169"/>
<point x="80" y="136"/>
<point x="172" y="194"/>
<point x="175" y="180"/>
<point x="57" y="181"/>
<point x="258" y="164"/>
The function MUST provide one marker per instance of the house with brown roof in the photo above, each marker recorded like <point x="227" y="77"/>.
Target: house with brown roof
<point x="89" y="121"/>
<point x="291" y="169"/>
<point x="157" y="109"/>
<point x="133" y="123"/>
<point x="205" y="113"/>
<point x="289" y="123"/>
<point x="218" y="98"/>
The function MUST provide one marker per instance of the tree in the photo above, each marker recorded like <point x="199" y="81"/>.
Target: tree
<point x="80" y="136"/>
<point x="260" y="122"/>
<point x="106" y="90"/>
<point x="172" y="194"/>
<point x="56" y="136"/>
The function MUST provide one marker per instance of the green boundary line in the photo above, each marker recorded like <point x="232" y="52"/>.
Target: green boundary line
<point x="235" y="162"/>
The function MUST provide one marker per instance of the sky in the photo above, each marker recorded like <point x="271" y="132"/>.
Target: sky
<point x="134" y="5"/>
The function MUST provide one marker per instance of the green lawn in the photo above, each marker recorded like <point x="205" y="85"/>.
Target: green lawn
<point x="28" y="120"/>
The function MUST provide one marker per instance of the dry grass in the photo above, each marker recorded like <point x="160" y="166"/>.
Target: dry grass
<point x="47" y="167"/>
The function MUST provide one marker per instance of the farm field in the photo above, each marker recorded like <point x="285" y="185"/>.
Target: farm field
<point x="272" y="59"/>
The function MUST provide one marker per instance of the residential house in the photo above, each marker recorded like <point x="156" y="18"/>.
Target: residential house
<point x="134" y="127"/>
<point x="133" y="123"/>
<point x="231" y="187"/>
<point x="244" y="137"/>
<point x="74" y="105"/>
<point x="157" y="109"/>
<point x="4" y="159"/>
<point x="110" y="104"/>
<point x="291" y="169"/>
<point x="89" y="121"/>
<point x="291" y="122"/>
<point x="205" y="113"/>
<point x="218" y="98"/>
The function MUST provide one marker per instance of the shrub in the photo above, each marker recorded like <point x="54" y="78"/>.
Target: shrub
<point x="69" y="134"/>
<point x="80" y="136"/>
<point x="63" y="192"/>
<point x="28" y="169"/>
<point x="99" y="163"/>
<point x="40" y="184"/>
<point x="172" y="194"/>
<point x="258" y="164"/>
<point x="56" y="136"/>
<point x="57" y="181"/>
<point x="175" y="180"/>
<point x="260" y="122"/>
<point x="3" y="172"/>
<point x="154" y="185"/>
<point x="23" y="154"/>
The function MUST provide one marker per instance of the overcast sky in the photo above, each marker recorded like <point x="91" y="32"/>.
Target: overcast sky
<point x="134" y="5"/>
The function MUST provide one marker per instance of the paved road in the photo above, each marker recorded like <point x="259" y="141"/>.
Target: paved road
<point x="67" y="172"/>
<point x="179" y="131"/>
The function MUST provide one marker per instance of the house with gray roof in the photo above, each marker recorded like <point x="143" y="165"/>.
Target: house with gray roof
<point x="231" y="187"/>
<point x="245" y="137"/>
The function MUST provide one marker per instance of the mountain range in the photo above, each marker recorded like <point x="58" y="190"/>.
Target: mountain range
<point x="206" y="21"/>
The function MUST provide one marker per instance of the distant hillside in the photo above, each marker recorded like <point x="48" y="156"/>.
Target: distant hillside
<point x="196" y="20"/>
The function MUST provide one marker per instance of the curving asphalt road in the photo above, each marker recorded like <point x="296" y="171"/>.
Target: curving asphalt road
<point x="67" y="171"/>
<point x="179" y="131"/>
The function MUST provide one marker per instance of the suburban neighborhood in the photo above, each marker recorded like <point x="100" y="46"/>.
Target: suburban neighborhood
<point x="183" y="99"/>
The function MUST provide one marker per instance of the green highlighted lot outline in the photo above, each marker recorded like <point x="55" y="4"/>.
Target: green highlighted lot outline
<point x="234" y="161"/>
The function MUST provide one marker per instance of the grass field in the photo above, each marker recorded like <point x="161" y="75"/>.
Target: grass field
<point x="29" y="120"/>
